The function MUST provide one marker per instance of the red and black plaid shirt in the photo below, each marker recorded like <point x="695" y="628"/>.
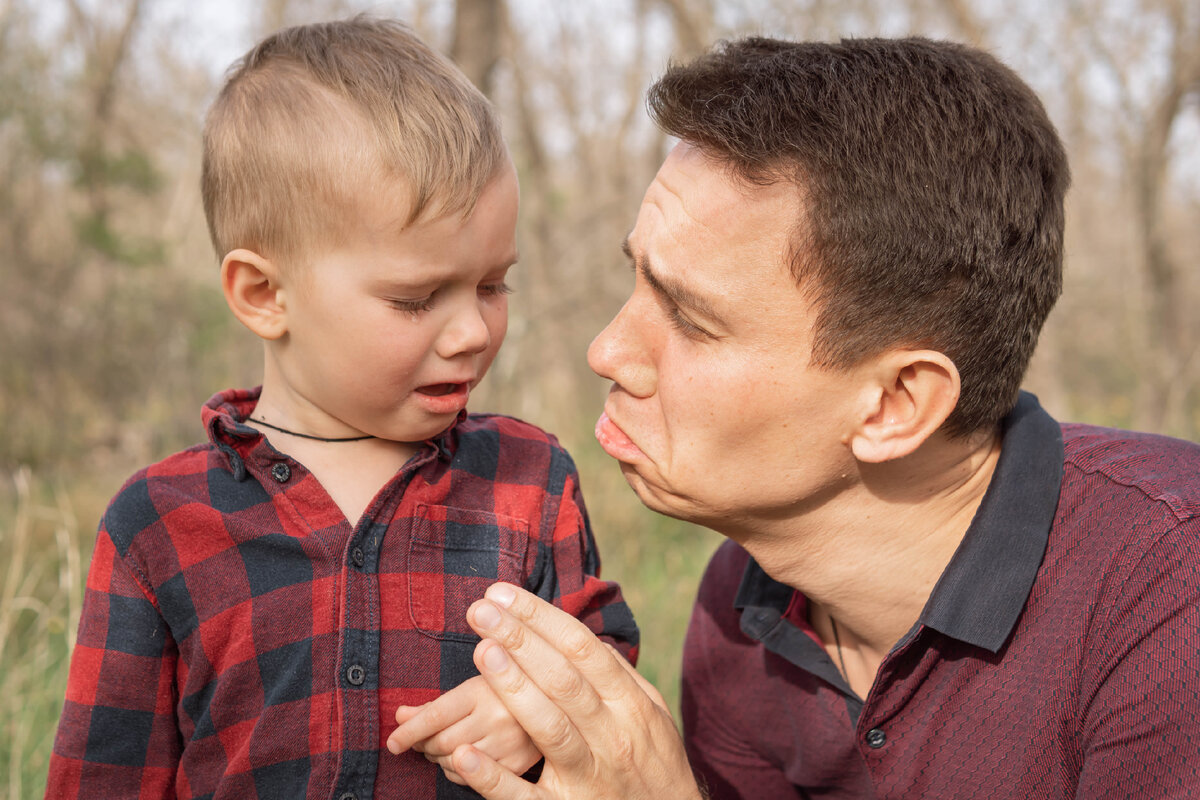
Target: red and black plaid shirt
<point x="1057" y="657"/>
<point x="240" y="639"/>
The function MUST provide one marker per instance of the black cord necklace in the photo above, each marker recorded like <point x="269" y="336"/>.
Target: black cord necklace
<point x="307" y="436"/>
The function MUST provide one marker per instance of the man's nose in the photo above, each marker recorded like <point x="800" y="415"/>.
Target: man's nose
<point x="622" y="354"/>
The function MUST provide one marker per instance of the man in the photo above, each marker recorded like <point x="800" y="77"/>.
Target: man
<point x="931" y="588"/>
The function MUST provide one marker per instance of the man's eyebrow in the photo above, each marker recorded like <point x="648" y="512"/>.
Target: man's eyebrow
<point x="669" y="287"/>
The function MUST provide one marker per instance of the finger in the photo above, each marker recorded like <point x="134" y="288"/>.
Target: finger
<point x="548" y="726"/>
<point x="447" y="768"/>
<point x="552" y="671"/>
<point x="444" y="741"/>
<point x="429" y="720"/>
<point x="518" y="761"/>
<point x="490" y="779"/>
<point x="604" y="672"/>
<point x="405" y="713"/>
<point x="646" y="686"/>
<point x="585" y="690"/>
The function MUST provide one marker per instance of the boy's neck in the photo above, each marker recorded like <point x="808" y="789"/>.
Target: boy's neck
<point x="351" y="470"/>
<point x="351" y="473"/>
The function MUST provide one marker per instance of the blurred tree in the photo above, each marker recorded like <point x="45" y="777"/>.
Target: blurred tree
<point x="1168" y="381"/>
<point x="85" y="172"/>
<point x="478" y="28"/>
<point x="1131" y="82"/>
<point x="112" y="328"/>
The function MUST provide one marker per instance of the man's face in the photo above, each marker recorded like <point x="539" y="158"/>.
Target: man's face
<point x="716" y="413"/>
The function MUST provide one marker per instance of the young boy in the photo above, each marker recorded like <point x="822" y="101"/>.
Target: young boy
<point x="259" y="606"/>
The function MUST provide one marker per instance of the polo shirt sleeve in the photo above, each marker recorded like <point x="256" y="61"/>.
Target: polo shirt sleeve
<point x="717" y="724"/>
<point x="1141" y="694"/>
<point x="118" y="736"/>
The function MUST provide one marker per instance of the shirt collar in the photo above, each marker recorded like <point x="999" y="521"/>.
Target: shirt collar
<point x="225" y="415"/>
<point x="984" y="587"/>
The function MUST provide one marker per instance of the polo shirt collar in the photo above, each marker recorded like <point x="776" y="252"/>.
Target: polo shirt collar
<point x="984" y="587"/>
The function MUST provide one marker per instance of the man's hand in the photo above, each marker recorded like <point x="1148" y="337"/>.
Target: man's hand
<point x="603" y="729"/>
<point x="470" y="713"/>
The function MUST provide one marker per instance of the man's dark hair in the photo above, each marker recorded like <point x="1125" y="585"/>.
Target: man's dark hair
<point x="932" y="184"/>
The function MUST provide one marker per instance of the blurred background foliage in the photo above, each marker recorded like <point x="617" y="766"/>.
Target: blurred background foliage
<point x="113" y="330"/>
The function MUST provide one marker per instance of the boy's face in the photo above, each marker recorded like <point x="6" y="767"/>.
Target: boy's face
<point x="388" y="333"/>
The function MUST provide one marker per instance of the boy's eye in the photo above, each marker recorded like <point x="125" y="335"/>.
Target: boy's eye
<point x="494" y="289"/>
<point x="412" y="306"/>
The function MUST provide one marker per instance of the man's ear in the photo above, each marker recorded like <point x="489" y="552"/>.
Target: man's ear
<point x="254" y="292"/>
<point x="911" y="395"/>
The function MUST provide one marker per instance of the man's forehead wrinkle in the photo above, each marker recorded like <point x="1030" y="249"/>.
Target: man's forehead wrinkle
<point x="690" y="204"/>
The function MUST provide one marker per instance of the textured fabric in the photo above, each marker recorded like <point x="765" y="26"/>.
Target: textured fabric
<point x="1092" y="690"/>
<point x="240" y="640"/>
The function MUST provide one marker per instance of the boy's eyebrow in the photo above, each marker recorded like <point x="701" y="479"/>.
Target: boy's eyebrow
<point x="668" y="287"/>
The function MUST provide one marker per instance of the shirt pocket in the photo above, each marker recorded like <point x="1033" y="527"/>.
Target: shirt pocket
<point x="454" y="555"/>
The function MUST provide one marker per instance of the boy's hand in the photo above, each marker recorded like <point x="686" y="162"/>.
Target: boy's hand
<point x="471" y="714"/>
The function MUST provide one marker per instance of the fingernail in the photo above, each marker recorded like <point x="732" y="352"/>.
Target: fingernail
<point x="468" y="761"/>
<point x="487" y="616"/>
<point x="501" y="594"/>
<point x="495" y="659"/>
<point x="393" y="747"/>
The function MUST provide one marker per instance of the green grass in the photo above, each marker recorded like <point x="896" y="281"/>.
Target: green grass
<point x="46" y="534"/>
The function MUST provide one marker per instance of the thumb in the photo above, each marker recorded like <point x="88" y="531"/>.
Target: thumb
<point x="491" y="780"/>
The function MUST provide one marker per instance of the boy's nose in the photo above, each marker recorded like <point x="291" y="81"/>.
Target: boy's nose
<point x="467" y="332"/>
<point x="620" y="352"/>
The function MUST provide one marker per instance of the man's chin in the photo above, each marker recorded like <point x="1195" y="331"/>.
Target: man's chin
<point x="657" y="499"/>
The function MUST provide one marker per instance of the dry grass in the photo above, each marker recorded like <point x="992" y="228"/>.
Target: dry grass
<point x="44" y="556"/>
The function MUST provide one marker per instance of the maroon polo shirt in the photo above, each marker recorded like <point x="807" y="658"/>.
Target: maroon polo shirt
<point x="1058" y="656"/>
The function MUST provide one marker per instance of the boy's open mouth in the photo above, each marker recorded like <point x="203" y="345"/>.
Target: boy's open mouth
<point x="441" y="389"/>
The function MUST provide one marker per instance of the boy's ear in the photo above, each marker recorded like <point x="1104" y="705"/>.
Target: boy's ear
<point x="911" y="394"/>
<point x="254" y="292"/>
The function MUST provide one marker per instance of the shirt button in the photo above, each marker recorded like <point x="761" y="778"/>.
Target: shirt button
<point x="349" y="796"/>
<point x="876" y="738"/>
<point x="358" y="557"/>
<point x="281" y="472"/>
<point x="356" y="675"/>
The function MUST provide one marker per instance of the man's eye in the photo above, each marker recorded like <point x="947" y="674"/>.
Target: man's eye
<point x="686" y="327"/>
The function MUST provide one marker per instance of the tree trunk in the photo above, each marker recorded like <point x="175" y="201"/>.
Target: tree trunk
<point x="478" y="27"/>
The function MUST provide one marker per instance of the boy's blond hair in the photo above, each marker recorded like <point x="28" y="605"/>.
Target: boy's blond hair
<point x="317" y="119"/>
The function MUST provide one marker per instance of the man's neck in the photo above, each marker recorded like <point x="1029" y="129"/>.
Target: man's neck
<point x="870" y="558"/>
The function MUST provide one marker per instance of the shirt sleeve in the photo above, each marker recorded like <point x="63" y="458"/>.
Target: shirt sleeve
<point x="118" y="736"/>
<point x="1141" y="735"/>
<point x="572" y="580"/>
<point x="722" y="755"/>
